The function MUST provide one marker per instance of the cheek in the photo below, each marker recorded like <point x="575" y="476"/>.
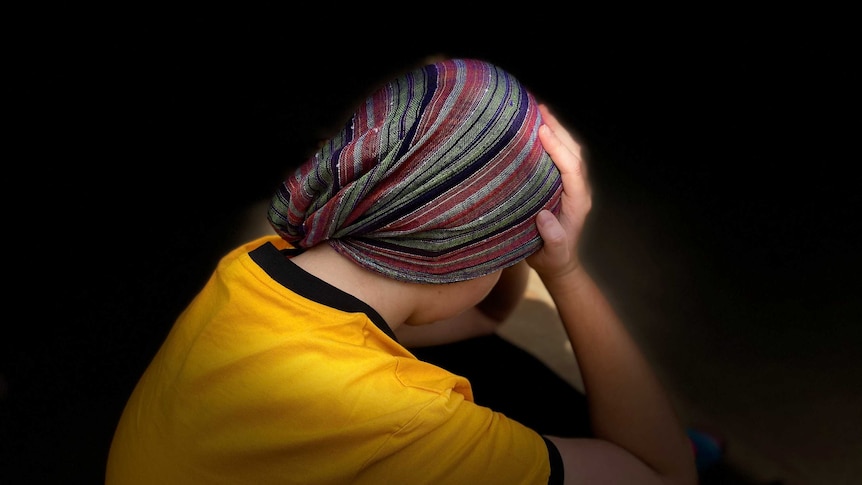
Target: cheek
<point x="476" y="290"/>
<point x="488" y="283"/>
<point x="456" y="298"/>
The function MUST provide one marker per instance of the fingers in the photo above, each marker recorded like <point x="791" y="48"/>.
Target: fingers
<point x="568" y="162"/>
<point x="566" y="138"/>
<point x="562" y="233"/>
<point x="562" y="133"/>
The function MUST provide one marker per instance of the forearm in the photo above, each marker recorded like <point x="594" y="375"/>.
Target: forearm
<point x="628" y="405"/>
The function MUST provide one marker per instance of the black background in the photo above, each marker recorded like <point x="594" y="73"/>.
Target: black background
<point x="142" y="137"/>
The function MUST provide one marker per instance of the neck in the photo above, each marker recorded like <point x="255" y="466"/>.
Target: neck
<point x="393" y="300"/>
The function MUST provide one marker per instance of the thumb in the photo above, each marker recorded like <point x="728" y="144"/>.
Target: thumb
<point x="550" y="229"/>
<point x="557" y="256"/>
<point x="553" y="236"/>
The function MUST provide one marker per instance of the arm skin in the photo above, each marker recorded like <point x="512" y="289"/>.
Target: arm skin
<point x="639" y="439"/>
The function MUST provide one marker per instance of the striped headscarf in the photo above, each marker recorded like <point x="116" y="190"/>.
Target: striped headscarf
<point x="436" y="178"/>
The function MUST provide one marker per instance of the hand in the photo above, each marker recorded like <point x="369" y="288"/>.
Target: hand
<point x="559" y="254"/>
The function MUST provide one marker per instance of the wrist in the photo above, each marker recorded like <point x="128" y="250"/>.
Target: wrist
<point x="566" y="280"/>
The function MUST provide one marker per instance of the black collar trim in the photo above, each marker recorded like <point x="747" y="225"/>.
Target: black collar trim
<point x="280" y="268"/>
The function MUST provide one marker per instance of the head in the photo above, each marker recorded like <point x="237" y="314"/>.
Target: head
<point x="436" y="178"/>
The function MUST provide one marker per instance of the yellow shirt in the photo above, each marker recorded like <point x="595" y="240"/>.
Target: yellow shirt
<point x="273" y="376"/>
